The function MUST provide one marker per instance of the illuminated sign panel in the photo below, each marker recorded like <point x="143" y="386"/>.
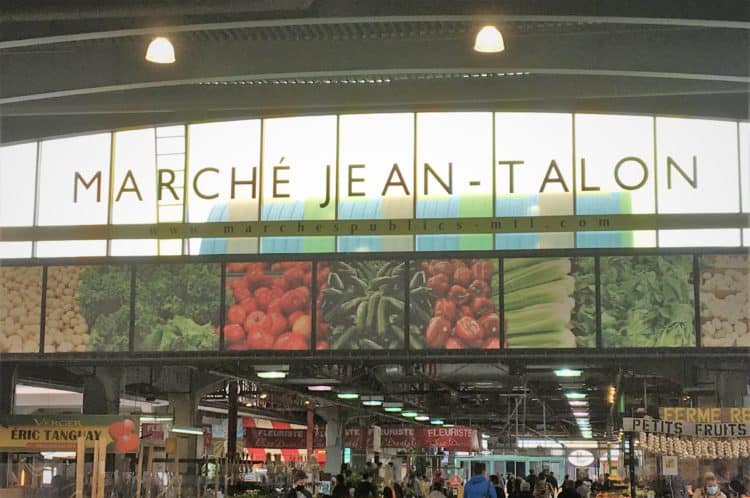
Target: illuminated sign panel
<point x="400" y="166"/>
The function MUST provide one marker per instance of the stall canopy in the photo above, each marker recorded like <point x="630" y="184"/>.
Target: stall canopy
<point x="263" y="437"/>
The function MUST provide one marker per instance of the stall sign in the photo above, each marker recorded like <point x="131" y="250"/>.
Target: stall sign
<point x="154" y="432"/>
<point x="705" y="415"/>
<point x="282" y="438"/>
<point x="657" y="426"/>
<point x="669" y="465"/>
<point x="448" y="438"/>
<point x="61" y="432"/>
<point x="581" y="458"/>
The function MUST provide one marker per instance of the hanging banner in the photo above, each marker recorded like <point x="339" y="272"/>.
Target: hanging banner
<point x="61" y="432"/>
<point x="282" y="438"/>
<point x="656" y="426"/>
<point x="447" y="438"/>
<point x="705" y="415"/>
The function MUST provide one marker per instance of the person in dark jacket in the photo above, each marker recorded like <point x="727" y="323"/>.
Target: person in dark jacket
<point x="298" y="486"/>
<point x="340" y="490"/>
<point x="499" y="491"/>
<point x="569" y="491"/>
<point x="524" y="490"/>
<point x="365" y="488"/>
<point x="478" y="486"/>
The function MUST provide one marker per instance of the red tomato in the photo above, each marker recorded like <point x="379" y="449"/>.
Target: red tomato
<point x="304" y="293"/>
<point x="234" y="333"/>
<point x="263" y="297"/>
<point x="233" y="283"/>
<point x="480" y="288"/>
<point x="445" y="267"/>
<point x="439" y="284"/>
<point x="323" y="329"/>
<point x="492" y="343"/>
<point x="322" y="345"/>
<point x="259" y="339"/>
<point x="490" y="324"/>
<point x="308" y="279"/>
<point x="236" y="314"/>
<point x="459" y="294"/>
<point x="276" y="292"/>
<point x="445" y="308"/>
<point x="276" y="323"/>
<point x="127" y="444"/>
<point x="453" y="343"/>
<point x="254" y="320"/>
<point x="437" y="332"/>
<point x="279" y="282"/>
<point x="482" y="270"/>
<point x="240" y="293"/>
<point x="292" y="301"/>
<point x="291" y="341"/>
<point x="469" y="331"/>
<point x="303" y="326"/>
<point x="481" y="306"/>
<point x="274" y="306"/>
<point x="465" y="311"/>
<point x="294" y="277"/>
<point x="249" y="304"/>
<point x="462" y="276"/>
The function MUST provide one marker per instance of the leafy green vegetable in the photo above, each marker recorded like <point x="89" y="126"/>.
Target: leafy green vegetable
<point x="176" y="305"/>
<point x="584" y="313"/>
<point x="647" y="301"/>
<point x="104" y="298"/>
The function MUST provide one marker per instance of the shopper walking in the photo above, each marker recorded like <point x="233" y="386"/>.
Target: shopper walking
<point x="551" y="479"/>
<point x="298" y="486"/>
<point x="340" y="490"/>
<point x="710" y="488"/>
<point x="543" y="489"/>
<point x="437" y="491"/>
<point x="365" y="488"/>
<point x="499" y="489"/>
<point x="478" y="486"/>
<point x="524" y="490"/>
<point x="569" y="491"/>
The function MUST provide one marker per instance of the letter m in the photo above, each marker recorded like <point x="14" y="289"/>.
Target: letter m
<point x="87" y="185"/>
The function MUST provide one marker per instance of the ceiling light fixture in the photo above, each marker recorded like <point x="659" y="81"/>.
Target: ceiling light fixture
<point x="409" y="413"/>
<point x="578" y="403"/>
<point x="392" y="409"/>
<point x="422" y="418"/>
<point x="437" y="421"/>
<point x="489" y="40"/>
<point x="320" y="388"/>
<point x="193" y="431"/>
<point x="485" y="436"/>
<point x="574" y="395"/>
<point x="272" y="374"/>
<point x="566" y="372"/>
<point x="349" y="395"/>
<point x="160" y="51"/>
<point x="581" y="414"/>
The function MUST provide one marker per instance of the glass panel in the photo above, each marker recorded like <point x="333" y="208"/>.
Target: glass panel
<point x="135" y="190"/>
<point x="615" y="174"/>
<point x="704" y="237"/>
<point x="725" y="305"/>
<point x="454" y="175"/>
<point x="361" y="305"/>
<point x="224" y="161"/>
<point x="454" y="304"/>
<point x="87" y="309"/>
<point x="549" y="302"/>
<point x="744" y="130"/>
<point x="299" y="159"/>
<point x="20" y="309"/>
<point x="10" y="250"/>
<point x="647" y="301"/>
<point x="376" y="176"/>
<point x="17" y="184"/>
<point x="71" y="248"/>
<point x="177" y="307"/>
<point x="541" y="173"/>
<point x="268" y="306"/>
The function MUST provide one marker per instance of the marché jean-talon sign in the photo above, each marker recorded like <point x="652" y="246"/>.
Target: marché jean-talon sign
<point x="352" y="174"/>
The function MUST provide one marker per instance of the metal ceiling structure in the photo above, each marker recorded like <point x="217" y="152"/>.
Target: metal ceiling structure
<point x="69" y="67"/>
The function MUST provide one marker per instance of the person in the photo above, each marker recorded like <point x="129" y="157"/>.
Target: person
<point x="388" y="475"/>
<point x="606" y="483"/>
<point x="553" y="481"/>
<point x="738" y="489"/>
<point x="478" y="486"/>
<point x="510" y="485"/>
<point x="365" y="488"/>
<point x="299" y="478"/>
<point x="710" y="488"/>
<point x="543" y="489"/>
<point x="525" y="490"/>
<point x="437" y="490"/>
<point x="583" y="489"/>
<point x="398" y="490"/>
<point x="566" y="479"/>
<point x="389" y="492"/>
<point x="569" y="491"/>
<point x="340" y="490"/>
<point x="413" y="488"/>
<point x="499" y="490"/>
<point x="531" y="479"/>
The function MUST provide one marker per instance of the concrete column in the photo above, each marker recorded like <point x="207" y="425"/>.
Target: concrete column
<point x="101" y="391"/>
<point x="7" y="388"/>
<point x="185" y="408"/>
<point x="335" y="418"/>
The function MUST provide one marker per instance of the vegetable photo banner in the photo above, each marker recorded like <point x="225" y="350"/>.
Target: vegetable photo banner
<point x="656" y="426"/>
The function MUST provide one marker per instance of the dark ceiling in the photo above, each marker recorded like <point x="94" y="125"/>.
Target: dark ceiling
<point x="72" y="67"/>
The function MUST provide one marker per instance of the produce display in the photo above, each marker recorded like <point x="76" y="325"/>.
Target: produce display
<point x="549" y="302"/>
<point x="20" y="309"/>
<point x="454" y="304"/>
<point x="725" y="300"/>
<point x="177" y="307"/>
<point x="361" y="304"/>
<point x="268" y="306"/>
<point x="647" y="301"/>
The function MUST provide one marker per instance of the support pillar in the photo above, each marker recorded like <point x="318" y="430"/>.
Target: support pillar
<point x="7" y="403"/>
<point x="185" y="409"/>
<point x="335" y="418"/>
<point x="232" y="412"/>
<point x="101" y="391"/>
